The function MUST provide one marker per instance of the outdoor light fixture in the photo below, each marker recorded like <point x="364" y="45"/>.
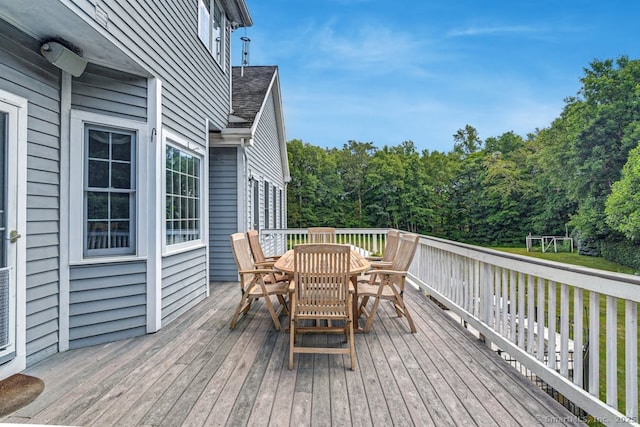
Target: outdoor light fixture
<point x="63" y="58"/>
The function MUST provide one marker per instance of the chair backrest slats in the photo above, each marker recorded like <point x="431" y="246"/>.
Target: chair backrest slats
<point x="256" y="248"/>
<point x="406" y="250"/>
<point x="241" y="252"/>
<point x="321" y="274"/>
<point x="321" y="235"/>
<point x="391" y="246"/>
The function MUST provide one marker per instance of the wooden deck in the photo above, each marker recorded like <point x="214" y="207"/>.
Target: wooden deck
<point x="196" y="371"/>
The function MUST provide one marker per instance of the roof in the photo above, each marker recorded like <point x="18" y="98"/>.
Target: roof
<point x="250" y="88"/>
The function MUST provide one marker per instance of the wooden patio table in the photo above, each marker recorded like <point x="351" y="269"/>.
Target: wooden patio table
<point x="358" y="265"/>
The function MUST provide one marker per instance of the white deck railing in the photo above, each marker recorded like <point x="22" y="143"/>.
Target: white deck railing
<point x="531" y="309"/>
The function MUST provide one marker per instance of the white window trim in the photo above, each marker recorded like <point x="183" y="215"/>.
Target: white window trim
<point x="171" y="139"/>
<point x="76" y="183"/>
<point x="16" y="161"/>
<point x="223" y="32"/>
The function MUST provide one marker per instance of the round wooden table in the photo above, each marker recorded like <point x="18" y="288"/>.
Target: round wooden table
<point x="358" y="265"/>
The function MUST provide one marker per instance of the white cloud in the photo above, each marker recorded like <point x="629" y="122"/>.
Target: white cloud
<point x="480" y="31"/>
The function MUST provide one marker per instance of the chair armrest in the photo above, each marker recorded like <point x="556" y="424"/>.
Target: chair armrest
<point x="388" y="272"/>
<point x="257" y="271"/>
<point x="381" y="264"/>
<point x="265" y="263"/>
<point x="373" y="258"/>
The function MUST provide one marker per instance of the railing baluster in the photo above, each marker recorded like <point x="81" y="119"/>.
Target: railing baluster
<point x="551" y="326"/>
<point x="540" y="320"/>
<point x="594" y="344"/>
<point x="578" y="339"/>
<point x="531" y="315"/>
<point x="612" y="351"/>
<point x="522" y="290"/>
<point x="564" y="330"/>
<point x="631" y="359"/>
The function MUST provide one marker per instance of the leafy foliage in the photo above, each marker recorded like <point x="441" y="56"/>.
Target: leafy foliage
<point x="578" y="172"/>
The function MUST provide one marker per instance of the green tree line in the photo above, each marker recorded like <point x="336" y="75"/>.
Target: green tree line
<point x="581" y="173"/>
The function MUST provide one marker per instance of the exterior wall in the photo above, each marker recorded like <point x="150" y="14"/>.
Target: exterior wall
<point x="108" y="300"/>
<point x="265" y="164"/>
<point x="26" y="73"/>
<point x="105" y="91"/>
<point x="106" y="303"/>
<point x="163" y="36"/>
<point x="182" y="278"/>
<point x="223" y="212"/>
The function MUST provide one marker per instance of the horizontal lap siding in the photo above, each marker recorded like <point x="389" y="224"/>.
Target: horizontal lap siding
<point x="106" y="303"/>
<point x="194" y="87"/>
<point x="223" y="212"/>
<point x="264" y="156"/>
<point x="105" y="91"/>
<point x="24" y="72"/>
<point x="184" y="282"/>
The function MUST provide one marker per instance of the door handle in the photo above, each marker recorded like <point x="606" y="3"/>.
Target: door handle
<point x="14" y="236"/>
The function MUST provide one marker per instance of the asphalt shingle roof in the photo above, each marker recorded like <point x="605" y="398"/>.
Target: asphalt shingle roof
<point x="249" y="89"/>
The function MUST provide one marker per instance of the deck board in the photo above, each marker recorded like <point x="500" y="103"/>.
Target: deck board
<point x="196" y="371"/>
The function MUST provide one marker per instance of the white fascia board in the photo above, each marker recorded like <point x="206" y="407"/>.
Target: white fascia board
<point x="231" y="137"/>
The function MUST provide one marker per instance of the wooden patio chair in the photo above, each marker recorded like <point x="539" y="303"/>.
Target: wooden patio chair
<point x="321" y="235"/>
<point x="321" y="291"/>
<point x="256" y="251"/>
<point x="257" y="283"/>
<point x="390" y="249"/>
<point x="388" y="284"/>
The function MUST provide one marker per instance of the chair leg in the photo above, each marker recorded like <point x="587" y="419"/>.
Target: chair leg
<point x="372" y="314"/>
<point x="272" y="312"/>
<point x="352" y="346"/>
<point x="243" y="307"/>
<point x="283" y="303"/>
<point x="292" y="342"/>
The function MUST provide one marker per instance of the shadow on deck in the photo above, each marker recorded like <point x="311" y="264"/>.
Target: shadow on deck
<point x="196" y="371"/>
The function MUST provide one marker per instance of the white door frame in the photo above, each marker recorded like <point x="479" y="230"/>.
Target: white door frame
<point x="16" y="214"/>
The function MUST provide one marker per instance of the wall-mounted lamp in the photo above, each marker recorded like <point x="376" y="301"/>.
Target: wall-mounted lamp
<point x="63" y="58"/>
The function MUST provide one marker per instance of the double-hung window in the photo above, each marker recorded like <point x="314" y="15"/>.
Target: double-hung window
<point x="211" y="28"/>
<point x="183" y="200"/>
<point x="109" y="191"/>
<point x="107" y="214"/>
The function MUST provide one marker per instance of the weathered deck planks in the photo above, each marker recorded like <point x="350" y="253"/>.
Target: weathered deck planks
<point x="196" y="371"/>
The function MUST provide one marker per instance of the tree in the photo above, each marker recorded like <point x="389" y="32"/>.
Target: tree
<point x="623" y="204"/>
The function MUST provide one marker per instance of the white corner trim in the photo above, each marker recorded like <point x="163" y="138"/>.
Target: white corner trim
<point x="154" y="214"/>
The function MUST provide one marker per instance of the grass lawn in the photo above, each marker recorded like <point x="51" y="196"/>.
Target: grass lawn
<point x="598" y="263"/>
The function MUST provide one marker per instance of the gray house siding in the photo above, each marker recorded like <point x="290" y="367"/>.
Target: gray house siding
<point x="264" y="161"/>
<point x="223" y="212"/>
<point x="107" y="302"/>
<point x="194" y="85"/>
<point x="184" y="281"/>
<point x="26" y="73"/>
<point x="106" y="91"/>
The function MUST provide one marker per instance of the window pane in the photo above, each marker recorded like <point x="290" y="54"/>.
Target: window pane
<point x="97" y="205"/>
<point x="98" y="174"/>
<point x="121" y="175"/>
<point x="183" y="202"/>
<point x="120" y="205"/>
<point x="98" y="144"/>
<point x="97" y="235"/>
<point x="203" y="24"/>
<point x="110" y="167"/>
<point x="121" y="146"/>
<point x="119" y="234"/>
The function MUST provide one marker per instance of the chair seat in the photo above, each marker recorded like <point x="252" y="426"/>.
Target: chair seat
<point x="272" y="289"/>
<point x="371" y="290"/>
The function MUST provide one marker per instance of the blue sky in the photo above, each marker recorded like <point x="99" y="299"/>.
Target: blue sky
<point x="386" y="72"/>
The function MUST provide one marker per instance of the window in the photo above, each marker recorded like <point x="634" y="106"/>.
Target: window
<point x="275" y="210"/>
<point x="211" y="28"/>
<point x="182" y="196"/>
<point x="109" y="191"/>
<point x="266" y="204"/>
